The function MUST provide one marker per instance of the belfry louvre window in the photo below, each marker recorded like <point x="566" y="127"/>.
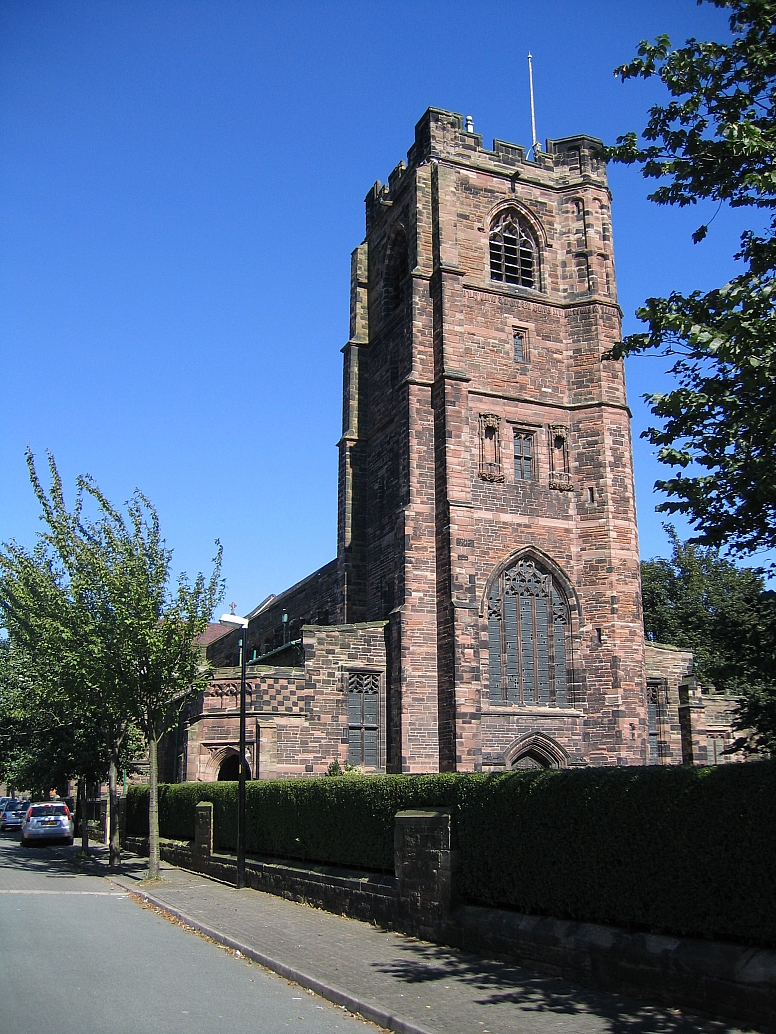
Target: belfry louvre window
<point x="513" y="252"/>
<point x="363" y="714"/>
<point x="528" y="623"/>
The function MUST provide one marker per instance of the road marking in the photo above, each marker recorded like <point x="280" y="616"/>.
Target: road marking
<point x="89" y="893"/>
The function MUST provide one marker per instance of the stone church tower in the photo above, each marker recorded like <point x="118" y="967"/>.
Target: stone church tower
<point x="486" y="500"/>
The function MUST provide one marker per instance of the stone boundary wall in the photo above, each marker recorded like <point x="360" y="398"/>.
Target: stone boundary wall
<point x="729" y="981"/>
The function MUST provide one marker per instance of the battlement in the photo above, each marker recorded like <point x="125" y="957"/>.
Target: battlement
<point x="441" y="136"/>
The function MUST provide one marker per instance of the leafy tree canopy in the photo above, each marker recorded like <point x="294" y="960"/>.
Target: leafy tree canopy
<point x="107" y="643"/>
<point x="725" y="614"/>
<point x="716" y="140"/>
<point x="702" y="602"/>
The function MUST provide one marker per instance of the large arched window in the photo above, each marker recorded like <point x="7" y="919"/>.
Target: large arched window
<point x="513" y="251"/>
<point x="528" y="626"/>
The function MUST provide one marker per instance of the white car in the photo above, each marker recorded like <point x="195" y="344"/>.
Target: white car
<point x="47" y="820"/>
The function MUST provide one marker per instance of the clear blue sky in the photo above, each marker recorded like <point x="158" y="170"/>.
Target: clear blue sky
<point x="181" y="185"/>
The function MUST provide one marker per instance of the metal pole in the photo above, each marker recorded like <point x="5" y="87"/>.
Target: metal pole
<point x="535" y="146"/>
<point x="241" y="783"/>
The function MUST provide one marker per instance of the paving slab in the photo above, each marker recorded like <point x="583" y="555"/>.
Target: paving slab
<point x="406" y="985"/>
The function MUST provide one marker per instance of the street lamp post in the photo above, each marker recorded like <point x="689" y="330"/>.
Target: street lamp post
<point x="242" y="624"/>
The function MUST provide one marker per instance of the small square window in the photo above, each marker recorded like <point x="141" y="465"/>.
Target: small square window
<point x="524" y="456"/>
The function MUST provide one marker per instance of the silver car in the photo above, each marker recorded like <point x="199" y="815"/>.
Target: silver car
<point x="47" y="820"/>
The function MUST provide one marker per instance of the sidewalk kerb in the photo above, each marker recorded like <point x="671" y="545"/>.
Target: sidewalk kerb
<point x="369" y="1010"/>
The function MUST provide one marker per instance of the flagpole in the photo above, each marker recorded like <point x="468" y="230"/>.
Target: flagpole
<point x="535" y="146"/>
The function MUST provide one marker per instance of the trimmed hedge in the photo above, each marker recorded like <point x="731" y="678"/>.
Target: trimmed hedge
<point x="345" y="820"/>
<point x="685" y="851"/>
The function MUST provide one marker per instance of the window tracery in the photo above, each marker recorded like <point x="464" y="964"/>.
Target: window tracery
<point x="513" y="252"/>
<point x="528" y="629"/>
<point x="363" y="718"/>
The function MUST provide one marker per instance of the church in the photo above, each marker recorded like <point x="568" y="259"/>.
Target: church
<point x="483" y="611"/>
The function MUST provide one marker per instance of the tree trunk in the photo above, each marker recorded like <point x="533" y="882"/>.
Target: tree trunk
<point x="153" y="810"/>
<point x="83" y="815"/>
<point x="113" y="807"/>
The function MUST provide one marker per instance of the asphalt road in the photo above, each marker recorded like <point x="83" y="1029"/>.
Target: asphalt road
<point x="77" y="955"/>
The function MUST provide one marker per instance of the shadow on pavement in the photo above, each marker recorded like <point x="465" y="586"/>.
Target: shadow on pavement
<point x="63" y="861"/>
<point x="502" y="983"/>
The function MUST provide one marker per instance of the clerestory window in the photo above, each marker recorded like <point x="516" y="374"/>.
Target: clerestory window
<point x="513" y="252"/>
<point x="528" y="627"/>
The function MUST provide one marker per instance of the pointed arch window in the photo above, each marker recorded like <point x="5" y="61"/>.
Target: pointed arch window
<point x="528" y="633"/>
<point x="513" y="252"/>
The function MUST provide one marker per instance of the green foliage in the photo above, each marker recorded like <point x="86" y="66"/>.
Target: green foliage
<point x="726" y="616"/>
<point x="701" y="602"/>
<point x="339" y="820"/>
<point x="715" y="140"/>
<point x="96" y="626"/>
<point x="677" y="850"/>
<point x="755" y="718"/>
<point x="687" y="851"/>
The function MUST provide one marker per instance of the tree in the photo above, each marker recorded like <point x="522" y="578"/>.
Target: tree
<point x="153" y="628"/>
<point x="49" y="731"/>
<point x="716" y="140"/>
<point x="99" y="603"/>
<point x="727" y="617"/>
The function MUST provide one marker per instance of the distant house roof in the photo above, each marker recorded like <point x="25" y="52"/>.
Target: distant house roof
<point x="213" y="631"/>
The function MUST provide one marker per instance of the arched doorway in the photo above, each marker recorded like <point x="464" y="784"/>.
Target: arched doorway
<point x="536" y="750"/>
<point x="229" y="770"/>
<point x="529" y="761"/>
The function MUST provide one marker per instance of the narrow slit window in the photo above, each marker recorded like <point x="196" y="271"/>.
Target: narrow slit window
<point x="519" y="349"/>
<point x="524" y="456"/>
<point x="363" y="719"/>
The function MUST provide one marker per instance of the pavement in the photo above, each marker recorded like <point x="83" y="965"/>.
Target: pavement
<point x="78" y="956"/>
<point x="397" y="982"/>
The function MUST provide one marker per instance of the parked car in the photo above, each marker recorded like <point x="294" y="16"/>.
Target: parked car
<point x="49" y="820"/>
<point x="11" y="814"/>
